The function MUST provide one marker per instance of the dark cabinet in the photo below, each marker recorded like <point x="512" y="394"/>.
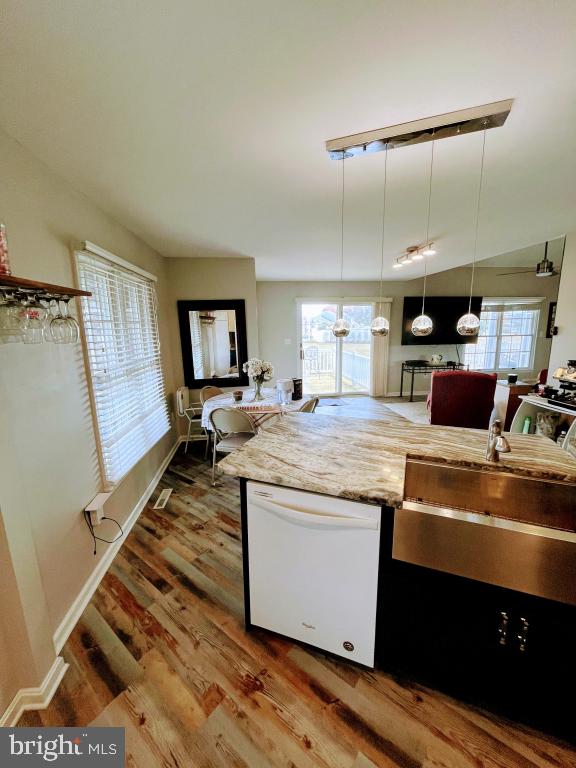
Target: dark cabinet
<point x="509" y="652"/>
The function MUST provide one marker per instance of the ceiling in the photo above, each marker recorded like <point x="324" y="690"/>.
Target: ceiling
<point x="201" y="125"/>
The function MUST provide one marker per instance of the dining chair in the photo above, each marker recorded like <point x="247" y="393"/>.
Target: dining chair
<point x="206" y="393"/>
<point x="232" y="429"/>
<point x="210" y="391"/>
<point x="193" y="413"/>
<point x="309" y="406"/>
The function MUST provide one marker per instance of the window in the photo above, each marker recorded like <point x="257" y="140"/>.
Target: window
<point x="123" y="350"/>
<point x="507" y="335"/>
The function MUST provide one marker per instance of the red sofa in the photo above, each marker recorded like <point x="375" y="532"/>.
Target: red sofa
<point x="462" y="398"/>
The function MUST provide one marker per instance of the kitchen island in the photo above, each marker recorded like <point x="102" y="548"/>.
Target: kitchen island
<point x="477" y="598"/>
<point x="364" y="459"/>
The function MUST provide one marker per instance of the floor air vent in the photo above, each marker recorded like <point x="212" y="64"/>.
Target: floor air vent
<point x="162" y="500"/>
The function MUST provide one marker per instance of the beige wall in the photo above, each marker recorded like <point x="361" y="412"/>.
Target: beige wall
<point x="564" y="344"/>
<point x="278" y="323"/>
<point x="211" y="278"/>
<point x="19" y="663"/>
<point x="48" y="465"/>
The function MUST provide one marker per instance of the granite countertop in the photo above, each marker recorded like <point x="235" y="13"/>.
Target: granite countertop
<point x="363" y="459"/>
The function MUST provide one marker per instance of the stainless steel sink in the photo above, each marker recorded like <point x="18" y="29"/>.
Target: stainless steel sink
<point x="495" y="527"/>
<point x="551" y="503"/>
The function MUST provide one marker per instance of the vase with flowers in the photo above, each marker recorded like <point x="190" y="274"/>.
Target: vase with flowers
<point x="259" y="371"/>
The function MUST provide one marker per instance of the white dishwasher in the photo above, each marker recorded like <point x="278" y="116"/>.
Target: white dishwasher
<point x="313" y="568"/>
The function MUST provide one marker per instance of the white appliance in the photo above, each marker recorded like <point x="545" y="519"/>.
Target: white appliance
<point x="313" y="568"/>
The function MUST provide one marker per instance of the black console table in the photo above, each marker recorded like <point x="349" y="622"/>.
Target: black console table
<point x="413" y="369"/>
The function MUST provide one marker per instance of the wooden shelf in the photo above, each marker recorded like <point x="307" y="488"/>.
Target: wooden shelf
<point x="31" y="285"/>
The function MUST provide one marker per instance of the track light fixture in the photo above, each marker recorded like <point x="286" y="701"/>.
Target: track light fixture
<point x="415" y="253"/>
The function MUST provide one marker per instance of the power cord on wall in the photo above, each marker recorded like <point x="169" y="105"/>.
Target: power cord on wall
<point x="99" y="538"/>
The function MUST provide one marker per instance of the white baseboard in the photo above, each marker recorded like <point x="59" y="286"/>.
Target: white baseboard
<point x="406" y="393"/>
<point x="85" y="595"/>
<point x="35" y="698"/>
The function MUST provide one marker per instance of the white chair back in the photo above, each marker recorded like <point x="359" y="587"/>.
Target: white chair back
<point x="182" y="400"/>
<point x="309" y="406"/>
<point x="227" y="421"/>
<point x="209" y="391"/>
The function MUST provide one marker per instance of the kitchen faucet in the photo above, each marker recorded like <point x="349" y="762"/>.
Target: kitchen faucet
<point x="497" y="443"/>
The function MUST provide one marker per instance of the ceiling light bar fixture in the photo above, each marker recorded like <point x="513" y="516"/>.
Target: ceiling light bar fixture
<point x="443" y="126"/>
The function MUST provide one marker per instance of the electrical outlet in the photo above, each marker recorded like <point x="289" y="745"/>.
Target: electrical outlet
<point x="96" y="516"/>
<point x="96" y="508"/>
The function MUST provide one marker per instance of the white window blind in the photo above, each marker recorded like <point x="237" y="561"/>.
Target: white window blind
<point x="123" y="348"/>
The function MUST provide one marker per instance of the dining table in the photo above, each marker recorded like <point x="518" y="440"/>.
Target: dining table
<point x="259" y="410"/>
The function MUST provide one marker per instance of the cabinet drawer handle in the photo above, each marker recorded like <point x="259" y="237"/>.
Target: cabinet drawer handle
<point x="503" y="628"/>
<point x="523" y="634"/>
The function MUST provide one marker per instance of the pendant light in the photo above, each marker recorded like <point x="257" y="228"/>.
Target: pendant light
<point x="469" y="324"/>
<point x="380" y="325"/>
<point x="423" y="325"/>
<point x="341" y="327"/>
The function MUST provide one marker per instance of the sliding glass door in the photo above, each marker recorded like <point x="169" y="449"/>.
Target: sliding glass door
<point x="331" y="366"/>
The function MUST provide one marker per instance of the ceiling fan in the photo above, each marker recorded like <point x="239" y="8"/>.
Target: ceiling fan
<point x="544" y="268"/>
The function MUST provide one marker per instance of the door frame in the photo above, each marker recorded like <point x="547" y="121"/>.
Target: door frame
<point x="379" y="345"/>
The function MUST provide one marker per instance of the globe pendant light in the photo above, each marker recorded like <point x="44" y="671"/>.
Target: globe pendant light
<point x="341" y="327"/>
<point x="423" y="325"/>
<point x="469" y="324"/>
<point x="380" y="325"/>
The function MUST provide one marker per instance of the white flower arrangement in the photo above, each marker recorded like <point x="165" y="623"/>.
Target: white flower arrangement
<point x="259" y="370"/>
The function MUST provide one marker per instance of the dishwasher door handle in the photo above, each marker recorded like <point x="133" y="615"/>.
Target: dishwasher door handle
<point x="310" y="518"/>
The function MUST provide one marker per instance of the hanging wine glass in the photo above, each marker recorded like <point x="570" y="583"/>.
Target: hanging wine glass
<point x="32" y="318"/>
<point x="60" y="330"/>
<point x="10" y="329"/>
<point x="72" y="322"/>
<point x="50" y="305"/>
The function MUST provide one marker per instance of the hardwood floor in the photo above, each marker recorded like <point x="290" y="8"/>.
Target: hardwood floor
<point x="161" y="650"/>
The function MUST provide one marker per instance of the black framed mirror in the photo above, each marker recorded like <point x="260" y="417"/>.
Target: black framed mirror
<point x="213" y="338"/>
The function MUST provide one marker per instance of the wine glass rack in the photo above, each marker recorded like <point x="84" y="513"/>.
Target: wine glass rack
<point x="23" y="284"/>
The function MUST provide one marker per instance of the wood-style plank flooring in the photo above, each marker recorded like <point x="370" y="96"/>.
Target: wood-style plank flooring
<point x="161" y="650"/>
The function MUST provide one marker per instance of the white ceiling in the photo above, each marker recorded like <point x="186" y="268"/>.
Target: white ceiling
<point x="201" y="125"/>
